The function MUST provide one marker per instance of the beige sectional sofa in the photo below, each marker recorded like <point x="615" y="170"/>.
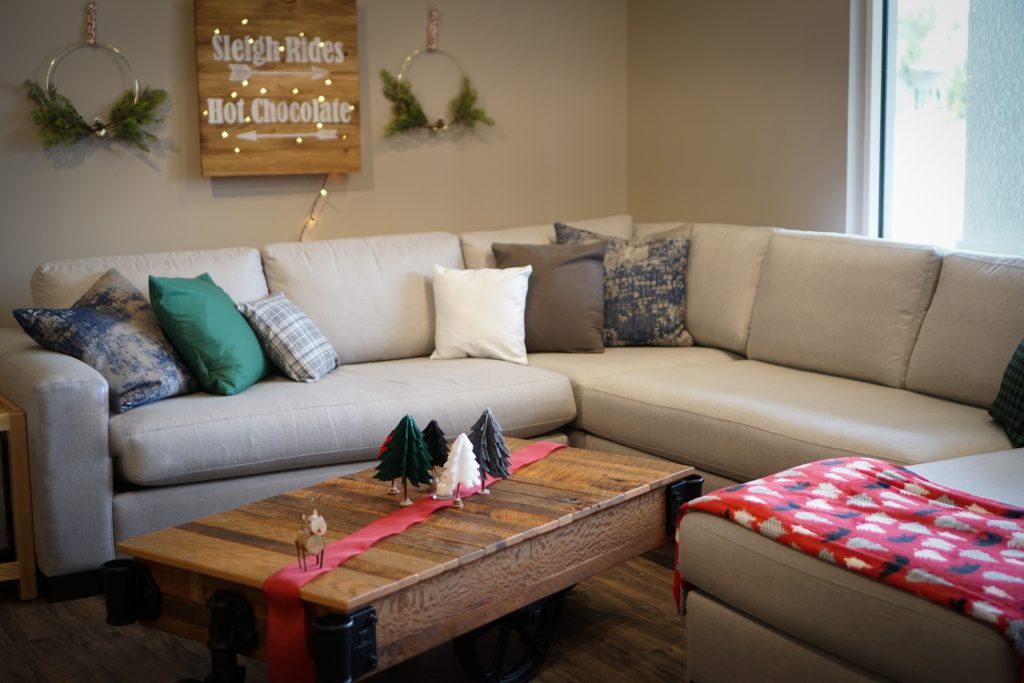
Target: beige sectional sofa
<point x="808" y="345"/>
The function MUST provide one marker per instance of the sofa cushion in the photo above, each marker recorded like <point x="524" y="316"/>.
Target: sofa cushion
<point x="583" y="369"/>
<point x="58" y="284"/>
<point x="721" y="282"/>
<point x="565" y="302"/>
<point x="480" y="313"/>
<point x="476" y="245"/>
<point x="113" y="329"/>
<point x="975" y="321"/>
<point x="644" y="287"/>
<point x="279" y="424"/>
<point x="897" y="634"/>
<point x="747" y="419"/>
<point x="370" y="296"/>
<point x="212" y="337"/>
<point x="289" y="338"/>
<point x="1008" y="408"/>
<point x="842" y="305"/>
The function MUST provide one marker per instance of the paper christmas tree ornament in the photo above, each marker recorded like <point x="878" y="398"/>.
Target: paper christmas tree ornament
<point x="436" y="443"/>
<point x="461" y="469"/>
<point x="404" y="456"/>
<point x="492" y="455"/>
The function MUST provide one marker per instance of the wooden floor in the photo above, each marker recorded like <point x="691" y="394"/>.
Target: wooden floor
<point x="618" y="625"/>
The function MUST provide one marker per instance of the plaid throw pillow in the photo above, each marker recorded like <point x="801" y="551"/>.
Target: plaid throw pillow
<point x="290" y="338"/>
<point x="1008" y="408"/>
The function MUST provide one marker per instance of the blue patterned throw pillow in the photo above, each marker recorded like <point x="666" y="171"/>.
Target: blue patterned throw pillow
<point x="290" y="338"/>
<point x="113" y="328"/>
<point x="644" y="287"/>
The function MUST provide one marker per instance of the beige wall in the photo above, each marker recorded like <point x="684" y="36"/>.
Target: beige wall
<point x="738" y="111"/>
<point x="552" y="74"/>
<point x="731" y="110"/>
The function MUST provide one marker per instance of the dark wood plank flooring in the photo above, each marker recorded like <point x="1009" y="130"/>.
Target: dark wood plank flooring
<point x="618" y="625"/>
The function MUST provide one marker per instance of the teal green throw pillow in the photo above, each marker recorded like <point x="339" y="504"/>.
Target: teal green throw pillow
<point x="209" y="333"/>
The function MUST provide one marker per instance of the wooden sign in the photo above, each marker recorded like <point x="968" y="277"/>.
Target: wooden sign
<point x="278" y="86"/>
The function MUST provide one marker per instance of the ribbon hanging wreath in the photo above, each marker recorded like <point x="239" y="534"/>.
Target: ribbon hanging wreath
<point x="407" y="112"/>
<point x="59" y="122"/>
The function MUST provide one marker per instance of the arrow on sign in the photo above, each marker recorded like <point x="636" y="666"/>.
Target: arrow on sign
<point x="242" y="72"/>
<point x="322" y="134"/>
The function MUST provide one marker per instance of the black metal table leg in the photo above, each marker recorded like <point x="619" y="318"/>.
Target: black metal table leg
<point x="511" y="649"/>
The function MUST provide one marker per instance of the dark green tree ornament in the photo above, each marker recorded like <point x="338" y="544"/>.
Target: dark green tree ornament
<point x="404" y="456"/>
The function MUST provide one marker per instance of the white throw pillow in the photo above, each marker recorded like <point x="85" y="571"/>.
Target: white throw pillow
<point x="480" y="313"/>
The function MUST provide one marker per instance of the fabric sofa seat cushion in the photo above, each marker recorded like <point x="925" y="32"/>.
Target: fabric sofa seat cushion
<point x="565" y="300"/>
<point x="113" y="329"/>
<point x="361" y="291"/>
<point x="841" y="305"/>
<point x="973" y="324"/>
<point x="238" y="270"/>
<point x="279" y="425"/>
<point x="898" y="635"/>
<point x="747" y="419"/>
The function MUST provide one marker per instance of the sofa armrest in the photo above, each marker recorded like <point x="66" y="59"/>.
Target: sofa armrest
<point x="66" y="405"/>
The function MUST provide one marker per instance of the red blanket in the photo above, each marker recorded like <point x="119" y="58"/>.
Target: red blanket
<point x="887" y="523"/>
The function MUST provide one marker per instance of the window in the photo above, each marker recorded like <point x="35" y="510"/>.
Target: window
<point x="951" y="158"/>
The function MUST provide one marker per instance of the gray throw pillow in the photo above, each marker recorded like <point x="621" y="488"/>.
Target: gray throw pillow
<point x="114" y="329"/>
<point x="565" y="301"/>
<point x="290" y="338"/>
<point x="644" y="287"/>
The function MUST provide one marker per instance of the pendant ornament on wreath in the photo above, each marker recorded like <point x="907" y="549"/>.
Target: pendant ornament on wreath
<point x="406" y="111"/>
<point x="59" y="122"/>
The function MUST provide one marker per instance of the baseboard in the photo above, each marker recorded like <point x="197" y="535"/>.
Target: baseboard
<point x="70" y="586"/>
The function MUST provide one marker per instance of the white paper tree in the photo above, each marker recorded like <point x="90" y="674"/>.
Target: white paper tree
<point x="461" y="468"/>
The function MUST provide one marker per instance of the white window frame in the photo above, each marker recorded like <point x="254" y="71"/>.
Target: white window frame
<point x="864" y="159"/>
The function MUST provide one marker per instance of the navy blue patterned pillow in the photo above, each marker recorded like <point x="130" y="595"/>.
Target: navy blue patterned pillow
<point x="644" y="287"/>
<point x="1008" y="408"/>
<point x="113" y="329"/>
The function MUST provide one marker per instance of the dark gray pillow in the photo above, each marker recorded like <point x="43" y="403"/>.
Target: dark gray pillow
<point x="644" y="287"/>
<point x="565" y="299"/>
<point x="113" y="328"/>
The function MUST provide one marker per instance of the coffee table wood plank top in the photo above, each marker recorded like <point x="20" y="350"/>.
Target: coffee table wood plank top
<point x="554" y="523"/>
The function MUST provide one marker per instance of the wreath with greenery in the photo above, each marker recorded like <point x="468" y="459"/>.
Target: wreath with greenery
<point x="60" y="124"/>
<point x="407" y="112"/>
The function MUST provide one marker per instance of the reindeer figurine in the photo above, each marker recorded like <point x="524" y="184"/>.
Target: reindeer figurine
<point x="310" y="539"/>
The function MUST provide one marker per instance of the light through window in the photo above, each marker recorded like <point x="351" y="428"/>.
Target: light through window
<point x="953" y="133"/>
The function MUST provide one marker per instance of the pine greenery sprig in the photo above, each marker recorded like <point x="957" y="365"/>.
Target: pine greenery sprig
<point x="407" y="112"/>
<point x="464" y="109"/>
<point x="60" y="124"/>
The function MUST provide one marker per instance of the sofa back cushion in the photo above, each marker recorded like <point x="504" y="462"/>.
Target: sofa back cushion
<point x="236" y="270"/>
<point x="721" y="282"/>
<point x="973" y="326"/>
<point x="476" y="246"/>
<point x="370" y="296"/>
<point x="841" y="305"/>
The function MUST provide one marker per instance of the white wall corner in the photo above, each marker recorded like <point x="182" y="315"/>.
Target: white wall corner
<point x="864" y="117"/>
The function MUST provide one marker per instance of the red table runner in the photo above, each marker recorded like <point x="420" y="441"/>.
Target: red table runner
<point x="287" y="653"/>
<point x="885" y="522"/>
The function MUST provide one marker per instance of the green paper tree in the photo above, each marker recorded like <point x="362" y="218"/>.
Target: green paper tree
<point x="489" y="446"/>
<point x="404" y="456"/>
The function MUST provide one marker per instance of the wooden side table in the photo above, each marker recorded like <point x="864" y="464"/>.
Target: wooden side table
<point x="23" y="569"/>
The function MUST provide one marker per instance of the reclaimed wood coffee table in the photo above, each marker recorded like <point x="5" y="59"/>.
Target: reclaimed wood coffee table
<point x="484" y="575"/>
